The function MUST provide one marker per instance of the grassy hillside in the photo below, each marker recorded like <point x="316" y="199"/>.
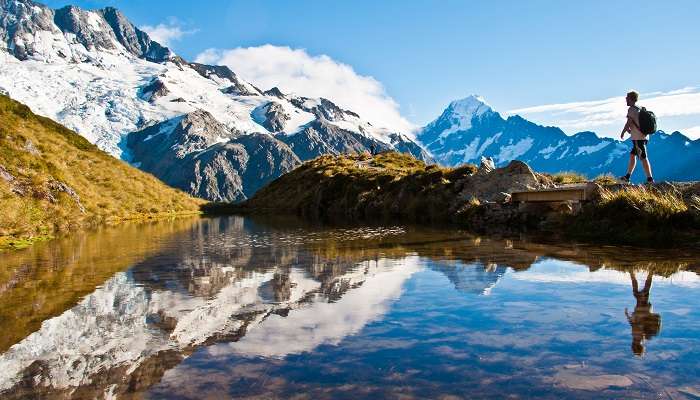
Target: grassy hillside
<point x="53" y="180"/>
<point x="389" y="185"/>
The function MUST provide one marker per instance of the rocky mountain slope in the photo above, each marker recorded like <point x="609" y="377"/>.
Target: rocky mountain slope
<point x="98" y="74"/>
<point x="52" y="179"/>
<point x="469" y="129"/>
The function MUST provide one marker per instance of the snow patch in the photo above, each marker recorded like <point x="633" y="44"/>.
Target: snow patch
<point x="620" y="149"/>
<point x="547" y="151"/>
<point x="592" y="149"/>
<point x="513" y="151"/>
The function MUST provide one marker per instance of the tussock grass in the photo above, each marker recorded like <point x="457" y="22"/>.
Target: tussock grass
<point x="648" y="203"/>
<point x="39" y="155"/>
<point x="605" y="179"/>
<point x="356" y="187"/>
<point x="567" y="177"/>
<point x="638" y="216"/>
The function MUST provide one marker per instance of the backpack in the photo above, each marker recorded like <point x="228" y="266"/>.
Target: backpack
<point x="647" y="121"/>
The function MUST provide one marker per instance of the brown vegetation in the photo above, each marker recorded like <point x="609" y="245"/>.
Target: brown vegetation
<point x="53" y="180"/>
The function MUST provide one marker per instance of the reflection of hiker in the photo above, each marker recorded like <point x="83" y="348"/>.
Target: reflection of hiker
<point x="639" y="139"/>
<point x="645" y="323"/>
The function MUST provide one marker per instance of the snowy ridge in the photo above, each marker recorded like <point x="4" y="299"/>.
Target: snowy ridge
<point x="96" y="73"/>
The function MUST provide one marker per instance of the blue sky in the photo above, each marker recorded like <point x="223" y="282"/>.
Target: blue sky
<point x="516" y="54"/>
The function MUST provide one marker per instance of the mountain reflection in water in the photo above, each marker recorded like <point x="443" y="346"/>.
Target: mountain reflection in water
<point x="234" y="307"/>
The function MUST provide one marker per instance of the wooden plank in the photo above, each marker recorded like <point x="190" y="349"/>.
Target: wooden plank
<point x="553" y="195"/>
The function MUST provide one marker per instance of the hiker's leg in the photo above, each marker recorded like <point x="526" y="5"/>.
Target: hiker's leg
<point x="635" y="285"/>
<point x="647" y="167"/>
<point x="631" y="164"/>
<point x="642" y="153"/>
<point x="647" y="283"/>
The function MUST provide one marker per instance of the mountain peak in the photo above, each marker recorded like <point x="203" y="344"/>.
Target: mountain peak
<point x="30" y="30"/>
<point x="472" y="105"/>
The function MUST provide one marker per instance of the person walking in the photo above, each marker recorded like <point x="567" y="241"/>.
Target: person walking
<point x="639" y="139"/>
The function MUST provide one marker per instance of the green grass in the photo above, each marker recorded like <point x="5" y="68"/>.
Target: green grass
<point x="109" y="190"/>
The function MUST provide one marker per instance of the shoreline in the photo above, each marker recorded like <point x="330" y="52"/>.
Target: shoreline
<point x="395" y="188"/>
<point x="13" y="243"/>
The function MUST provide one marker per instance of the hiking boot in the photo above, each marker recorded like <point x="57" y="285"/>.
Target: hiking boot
<point x="650" y="180"/>
<point x="625" y="178"/>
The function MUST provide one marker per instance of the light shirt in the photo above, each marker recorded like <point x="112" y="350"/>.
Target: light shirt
<point x="633" y="115"/>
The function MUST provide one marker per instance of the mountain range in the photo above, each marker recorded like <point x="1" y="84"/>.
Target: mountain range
<point x="212" y="133"/>
<point x="469" y="129"/>
<point x="205" y="130"/>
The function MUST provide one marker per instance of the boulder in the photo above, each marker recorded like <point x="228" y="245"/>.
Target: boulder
<point x="487" y="165"/>
<point x="489" y="186"/>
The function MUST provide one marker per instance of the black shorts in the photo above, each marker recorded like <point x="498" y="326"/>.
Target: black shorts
<point x="639" y="148"/>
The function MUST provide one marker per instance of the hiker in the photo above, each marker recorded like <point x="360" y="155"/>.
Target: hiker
<point x="639" y="139"/>
<point x="644" y="322"/>
<point x="373" y="149"/>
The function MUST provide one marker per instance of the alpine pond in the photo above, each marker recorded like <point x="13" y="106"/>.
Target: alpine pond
<point x="235" y="307"/>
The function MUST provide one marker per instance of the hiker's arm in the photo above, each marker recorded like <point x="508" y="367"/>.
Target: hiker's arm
<point x="625" y="129"/>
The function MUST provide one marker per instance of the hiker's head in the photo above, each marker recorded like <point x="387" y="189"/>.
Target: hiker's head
<point x="632" y="97"/>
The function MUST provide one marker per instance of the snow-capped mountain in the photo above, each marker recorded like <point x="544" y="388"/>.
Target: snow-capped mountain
<point x="98" y="74"/>
<point x="469" y="129"/>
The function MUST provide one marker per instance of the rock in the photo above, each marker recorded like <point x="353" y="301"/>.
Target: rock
<point x="31" y="149"/>
<point x="502" y="197"/>
<point x="271" y="116"/>
<point x="221" y="72"/>
<point x="692" y="392"/>
<point x="593" y="191"/>
<point x="61" y="187"/>
<point x="201" y="156"/>
<point x="274" y="92"/>
<point x="154" y="90"/>
<point x="573" y="380"/>
<point x="487" y="165"/>
<point x="27" y="27"/>
<point x="5" y="175"/>
<point x="489" y="186"/>
<point x="133" y="39"/>
<point x="320" y="137"/>
<point x="93" y="33"/>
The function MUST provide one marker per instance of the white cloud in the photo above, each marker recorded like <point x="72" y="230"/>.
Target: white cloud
<point x="673" y="110"/>
<point x="296" y="71"/>
<point x="166" y="33"/>
<point x="693" y="131"/>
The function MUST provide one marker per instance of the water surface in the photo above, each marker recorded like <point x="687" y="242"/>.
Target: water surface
<point x="239" y="308"/>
